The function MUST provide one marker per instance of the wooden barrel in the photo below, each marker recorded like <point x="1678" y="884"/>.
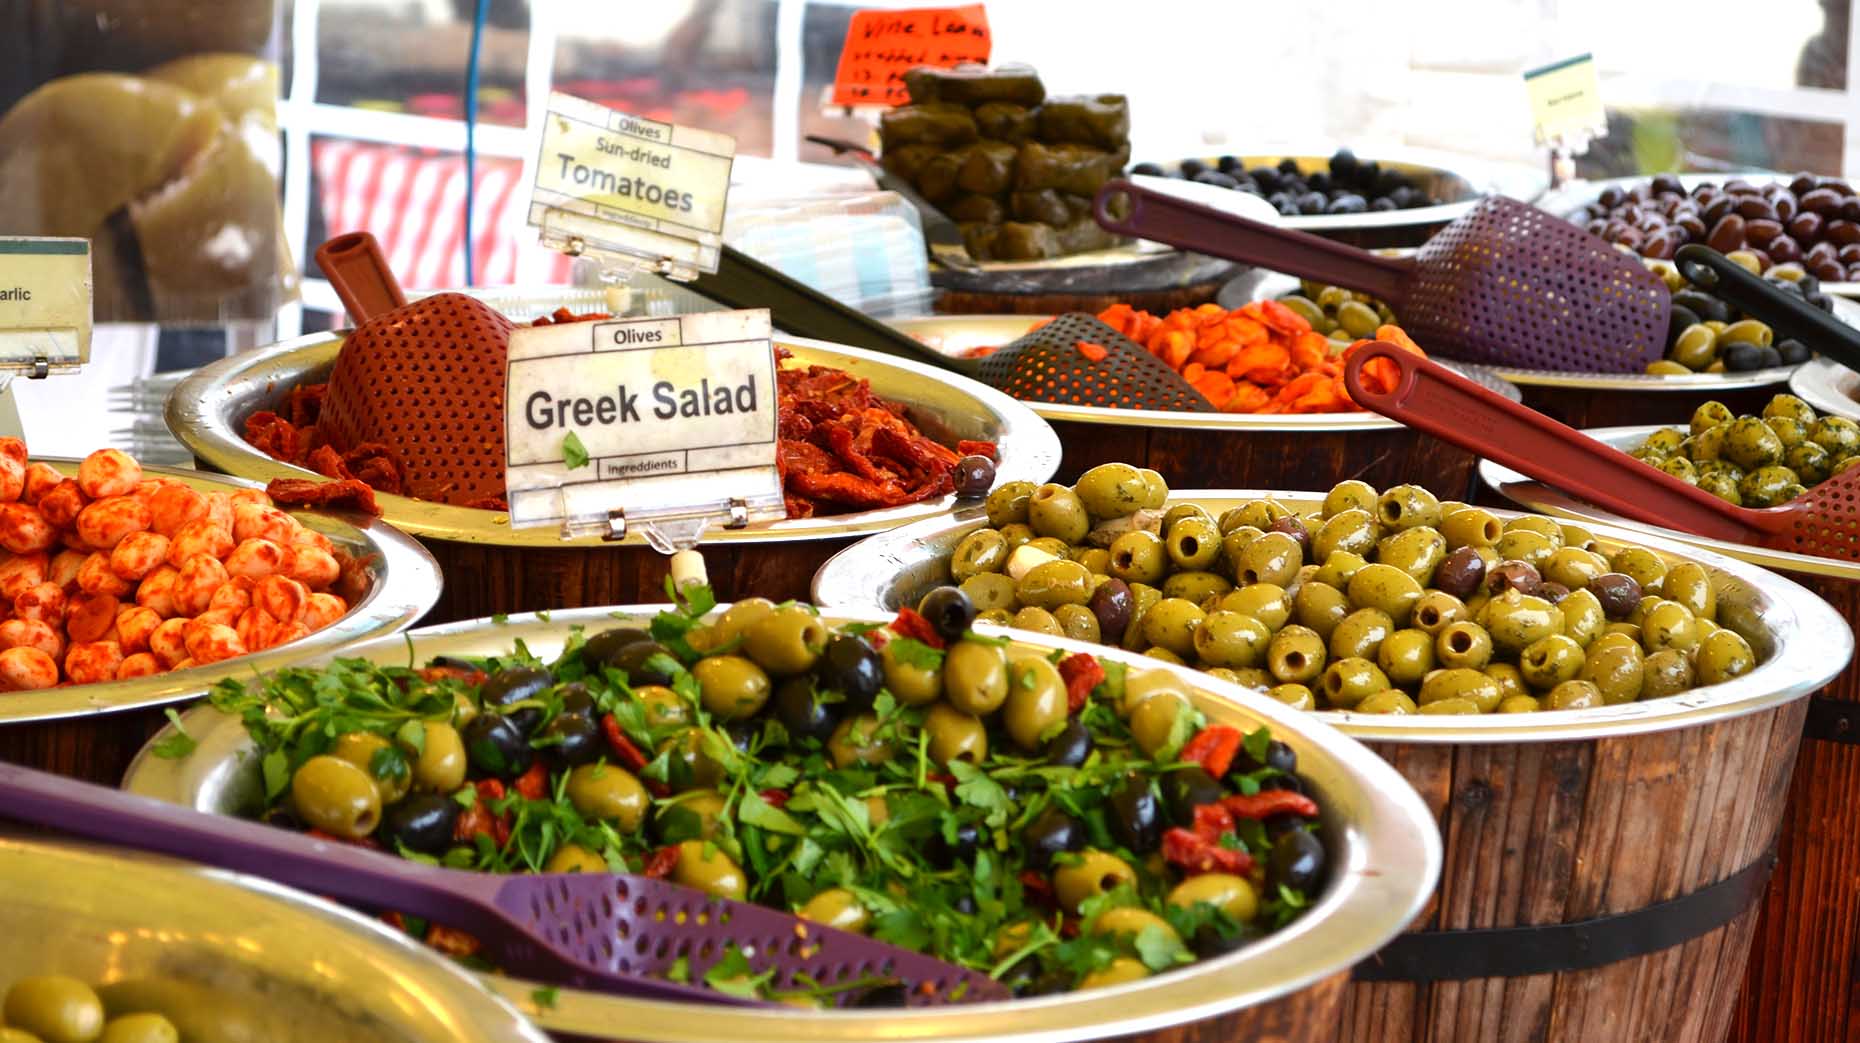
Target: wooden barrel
<point x="1579" y="832"/>
<point x="1306" y="1016"/>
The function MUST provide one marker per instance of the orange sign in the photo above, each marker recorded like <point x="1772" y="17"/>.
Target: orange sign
<point x="881" y="46"/>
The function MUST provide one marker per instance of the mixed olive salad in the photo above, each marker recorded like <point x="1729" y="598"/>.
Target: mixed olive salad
<point x="1054" y="820"/>
<point x="1755" y="461"/>
<point x="1391" y="602"/>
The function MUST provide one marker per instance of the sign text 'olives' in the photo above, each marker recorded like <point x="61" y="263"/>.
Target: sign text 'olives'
<point x="642" y="418"/>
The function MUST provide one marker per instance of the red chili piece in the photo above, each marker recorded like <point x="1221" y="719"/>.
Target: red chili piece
<point x="916" y="627"/>
<point x="534" y="783"/>
<point x="660" y="863"/>
<point x="1194" y="854"/>
<point x="1082" y="672"/>
<point x="1214" y="748"/>
<point x="1270" y="802"/>
<point x="625" y="752"/>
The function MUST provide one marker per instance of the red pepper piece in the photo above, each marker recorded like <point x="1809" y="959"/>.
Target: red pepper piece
<point x="534" y="783"/>
<point x="916" y="627"/>
<point x="660" y="863"/>
<point x="1192" y="854"/>
<point x="1270" y="802"/>
<point x="346" y="493"/>
<point x="624" y="751"/>
<point x="1082" y="672"/>
<point x="453" y="943"/>
<point x="1039" y="890"/>
<point x="1214" y="748"/>
<point x="776" y="797"/>
<point x="490" y="789"/>
<point x="969" y="447"/>
<point x="1211" y="820"/>
<point x="473" y="821"/>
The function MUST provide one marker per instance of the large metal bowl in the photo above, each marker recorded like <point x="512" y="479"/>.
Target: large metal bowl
<point x="1782" y="622"/>
<point x="1828" y="386"/>
<point x="1385" y="849"/>
<point x="231" y="958"/>
<point x="406" y="583"/>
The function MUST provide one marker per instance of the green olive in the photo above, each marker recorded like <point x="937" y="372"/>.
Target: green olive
<point x="1036" y="702"/>
<point x="1266" y="602"/>
<point x="1574" y="567"/>
<point x="1180" y="512"/>
<point x="1768" y="486"/>
<point x="1231" y="639"/>
<point x="1790" y="431"/>
<point x="439" y="766"/>
<point x="1549" y="661"/>
<point x="912" y="683"/>
<point x="1056" y="511"/>
<point x="1661" y="444"/>
<point x="1517" y="620"/>
<point x="1668" y="624"/>
<point x="1260" y="514"/>
<point x="1295" y="655"/>
<point x="695" y="765"/>
<point x="1415" y="551"/>
<point x="1360" y="633"/>
<point x="573" y="858"/>
<point x="1387" y="588"/>
<point x="1347" y="682"/>
<point x="1051" y="584"/>
<point x="1139" y="557"/>
<point x="55" y="1008"/>
<point x="136" y="1028"/>
<point x="1695" y="348"/>
<point x="701" y="865"/>
<point x="1171" y="624"/>
<point x="735" y="619"/>
<point x="837" y="908"/>
<point x="361" y="749"/>
<point x="975" y="677"/>
<point x="1406" y="507"/>
<point x="1296" y="696"/>
<point x="1616" y="669"/>
<point x="1053" y="546"/>
<point x="1389" y="701"/>
<point x="980" y="552"/>
<point x="1749" y="443"/>
<point x="1689" y="584"/>
<point x="1093" y="874"/>
<point x="1519" y="704"/>
<point x="1338" y="569"/>
<point x="1159" y="489"/>
<point x="1154" y="720"/>
<point x="1143" y="597"/>
<point x="1527" y="545"/>
<point x="691" y="815"/>
<point x="732" y="687"/>
<point x="1320" y="606"/>
<point x="856" y="741"/>
<point x="1079" y="623"/>
<point x="1141" y="685"/>
<point x="1574" y="695"/>
<point x="1352" y="530"/>
<point x="663" y="706"/>
<point x="608" y="793"/>
<point x="1710" y="414"/>
<point x="1435" y="611"/>
<point x="1272" y="558"/>
<point x="1473" y="686"/>
<point x="786" y="642"/>
<point x="1112" y="490"/>
<point x="1789" y="406"/>
<point x="1038" y="620"/>
<point x="1193" y="543"/>
<point x="988" y="590"/>
<point x="1351" y="495"/>
<point x="1583" y="617"/>
<point x="1449" y="707"/>
<point x="955" y="735"/>
<point x="335" y="796"/>
<point x="1120" y="971"/>
<point x="1017" y="535"/>
<point x="1811" y="463"/>
<point x="1406" y="656"/>
<point x="1128" y="921"/>
<point x="1097" y="560"/>
<point x="1233" y="895"/>
<point x="1642" y="565"/>
<point x="1666" y="672"/>
<point x="1198" y="587"/>
<point x="1007" y="503"/>
<point x="1464" y="644"/>
<point x="1723" y="655"/>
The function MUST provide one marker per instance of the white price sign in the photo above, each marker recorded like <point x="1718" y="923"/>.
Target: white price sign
<point x="45" y="303"/>
<point x="645" y="417"/>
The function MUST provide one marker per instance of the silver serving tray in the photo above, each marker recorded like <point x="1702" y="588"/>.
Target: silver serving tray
<point x="1828" y="386"/>
<point x="1537" y="496"/>
<point x="230" y="958"/>
<point x="954" y="334"/>
<point x="206" y="413"/>
<point x="407" y="583"/>
<point x="1567" y="198"/>
<point x="1384" y="844"/>
<point x="1801" y="641"/>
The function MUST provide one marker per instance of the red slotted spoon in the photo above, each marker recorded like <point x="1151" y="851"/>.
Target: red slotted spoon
<point x="1823" y="521"/>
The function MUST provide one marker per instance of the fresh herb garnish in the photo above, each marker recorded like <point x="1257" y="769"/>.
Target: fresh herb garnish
<point x="175" y="746"/>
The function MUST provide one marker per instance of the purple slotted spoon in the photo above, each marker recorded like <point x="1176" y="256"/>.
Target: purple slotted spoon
<point x="597" y="931"/>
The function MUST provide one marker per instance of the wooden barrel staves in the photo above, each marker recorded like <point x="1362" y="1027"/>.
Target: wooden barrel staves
<point x="1594" y="890"/>
<point x="1306" y="1016"/>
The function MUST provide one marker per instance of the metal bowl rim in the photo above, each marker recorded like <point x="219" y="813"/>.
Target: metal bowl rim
<point x="1818" y="382"/>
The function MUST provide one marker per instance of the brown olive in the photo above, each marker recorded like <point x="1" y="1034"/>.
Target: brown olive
<point x="1520" y="576"/>
<point x="1110" y="602"/>
<point x="1619" y="593"/>
<point x="1460" y="572"/>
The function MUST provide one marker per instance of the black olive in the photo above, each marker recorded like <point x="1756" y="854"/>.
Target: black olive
<point x="1385" y="180"/>
<point x="422" y="822"/>
<point x="1282" y="823"/>
<point x="949" y="611"/>
<point x="1279" y="757"/>
<point x="1312" y="203"/>
<point x="1320" y="182"/>
<point x="1216" y="178"/>
<point x="1229" y="165"/>
<point x="1347" y="203"/>
<point x="1792" y="351"/>
<point x="1150" y="169"/>
<point x="1053" y="832"/>
<point x="449" y="662"/>
<point x="1071" y="746"/>
<point x="975" y="475"/>
<point x="602" y="646"/>
<point x="1343" y="164"/>
<point x="580" y="739"/>
<point x="1208" y="942"/>
<point x="1248" y="185"/>
<point x="1051" y="983"/>
<point x="801" y="712"/>
<point x="1289" y="782"/>
<point x="514" y="685"/>
<point x="890" y="994"/>
<point x="284" y="817"/>
<point x="1288" y="166"/>
<point x="1382" y="205"/>
<point x="576" y="698"/>
<point x="850" y="667"/>
<point x="943" y="854"/>
<point x="1297" y="862"/>
<point x="1266" y="178"/>
<point x="496" y="747"/>
<point x="1682" y="318"/>
<point x="1187" y="790"/>
<point x="1704" y="305"/>
<point x="631" y="660"/>
<point x="1191" y="167"/>
<point x="1136" y="816"/>
<point x="1742" y="356"/>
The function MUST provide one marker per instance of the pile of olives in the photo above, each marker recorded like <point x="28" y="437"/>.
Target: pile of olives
<point x="1379" y="603"/>
<point x="1345" y="316"/>
<point x="53" y="1008"/>
<point x="1708" y="335"/>
<point x="1351" y="186"/>
<point x="1754" y="461"/>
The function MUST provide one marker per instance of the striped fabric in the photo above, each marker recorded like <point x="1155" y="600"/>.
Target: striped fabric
<point x="413" y="200"/>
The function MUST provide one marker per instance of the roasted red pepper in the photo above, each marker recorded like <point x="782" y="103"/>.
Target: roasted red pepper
<point x="1270" y="802"/>
<point x="534" y="783"/>
<point x="1214" y="748"/>
<point x="1194" y="854"/>
<point x="1211" y="820"/>
<point x="1082" y="672"/>
<point x="660" y="863"/>
<point x="623" y="749"/>
<point x="909" y="624"/>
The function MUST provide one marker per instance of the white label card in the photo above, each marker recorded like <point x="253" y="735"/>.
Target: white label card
<point x="644" y="416"/>
<point x="1566" y="102"/>
<point x="45" y="302"/>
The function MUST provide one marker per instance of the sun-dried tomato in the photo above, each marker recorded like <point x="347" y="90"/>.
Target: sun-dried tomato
<point x="775" y="797"/>
<point x="1194" y="854"/>
<point x="454" y="943"/>
<point x="909" y="623"/>
<point x="534" y="783"/>
<point x="347" y="493"/>
<point x="1214" y="748"/>
<point x="1082" y="672"/>
<point x="660" y="863"/>
<point x="1269" y="802"/>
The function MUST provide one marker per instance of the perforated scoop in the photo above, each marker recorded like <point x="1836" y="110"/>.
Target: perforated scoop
<point x="1824" y="520"/>
<point x="424" y="380"/>
<point x="1505" y="285"/>
<point x="596" y="931"/>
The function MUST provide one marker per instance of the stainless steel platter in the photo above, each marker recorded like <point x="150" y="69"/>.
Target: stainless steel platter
<point x="955" y="334"/>
<point x="406" y="584"/>
<point x="230" y="958"/>
<point x="1384" y="841"/>
<point x="1566" y="199"/>
<point x="206" y="413"/>
<point x="1828" y="386"/>
<point x="1800" y="641"/>
<point x="1539" y="497"/>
